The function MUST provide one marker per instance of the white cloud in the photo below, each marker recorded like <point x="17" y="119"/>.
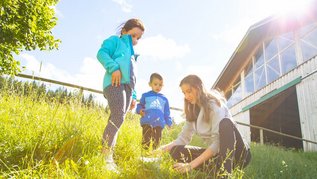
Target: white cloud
<point x="161" y="48"/>
<point x="178" y="66"/>
<point x="142" y="86"/>
<point x="251" y="12"/>
<point x="90" y="75"/>
<point x="207" y="74"/>
<point x="48" y="70"/>
<point x="58" y="12"/>
<point x="232" y="35"/>
<point x="125" y="6"/>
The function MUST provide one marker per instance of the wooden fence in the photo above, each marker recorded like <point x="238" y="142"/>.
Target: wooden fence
<point x="261" y="129"/>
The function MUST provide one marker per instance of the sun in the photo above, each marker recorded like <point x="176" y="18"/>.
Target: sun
<point x="284" y="7"/>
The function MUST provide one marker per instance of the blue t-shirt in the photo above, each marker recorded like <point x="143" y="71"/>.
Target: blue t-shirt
<point x="156" y="109"/>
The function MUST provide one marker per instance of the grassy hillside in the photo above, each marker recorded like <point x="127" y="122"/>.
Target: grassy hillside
<point x="40" y="139"/>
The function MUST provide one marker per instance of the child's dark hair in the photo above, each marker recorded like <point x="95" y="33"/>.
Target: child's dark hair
<point x="130" y="24"/>
<point x="155" y="75"/>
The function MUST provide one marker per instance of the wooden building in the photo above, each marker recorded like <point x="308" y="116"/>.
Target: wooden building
<point x="271" y="80"/>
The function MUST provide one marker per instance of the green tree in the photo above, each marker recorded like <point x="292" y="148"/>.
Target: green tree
<point x="25" y="25"/>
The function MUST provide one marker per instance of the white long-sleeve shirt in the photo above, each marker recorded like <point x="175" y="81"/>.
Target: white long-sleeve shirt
<point x="207" y="130"/>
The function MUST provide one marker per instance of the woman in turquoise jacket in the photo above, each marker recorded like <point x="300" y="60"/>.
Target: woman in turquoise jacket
<point x="117" y="57"/>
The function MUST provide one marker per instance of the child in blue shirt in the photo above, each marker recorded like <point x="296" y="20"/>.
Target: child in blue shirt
<point x="155" y="112"/>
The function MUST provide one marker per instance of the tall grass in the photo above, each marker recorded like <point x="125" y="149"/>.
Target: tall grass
<point x="37" y="133"/>
<point x="50" y="139"/>
<point x="278" y="162"/>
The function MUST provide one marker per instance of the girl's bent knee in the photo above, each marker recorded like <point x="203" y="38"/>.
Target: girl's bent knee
<point x="225" y="123"/>
<point x="174" y="152"/>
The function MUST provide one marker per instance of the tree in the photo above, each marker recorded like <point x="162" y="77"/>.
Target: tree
<point x="25" y="25"/>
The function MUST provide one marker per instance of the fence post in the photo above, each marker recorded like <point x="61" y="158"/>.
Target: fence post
<point x="261" y="136"/>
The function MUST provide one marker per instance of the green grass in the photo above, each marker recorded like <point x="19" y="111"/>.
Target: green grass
<point x="40" y="139"/>
<point x="276" y="162"/>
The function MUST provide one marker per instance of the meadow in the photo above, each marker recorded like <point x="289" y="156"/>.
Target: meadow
<point x="42" y="138"/>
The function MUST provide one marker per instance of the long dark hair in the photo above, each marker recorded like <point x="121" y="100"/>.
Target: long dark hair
<point x="203" y="98"/>
<point x="130" y="24"/>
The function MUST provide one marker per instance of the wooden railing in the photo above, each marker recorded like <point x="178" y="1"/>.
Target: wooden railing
<point x="59" y="83"/>
<point x="261" y="129"/>
<point x="275" y="132"/>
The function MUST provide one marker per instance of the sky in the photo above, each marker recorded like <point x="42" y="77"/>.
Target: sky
<point x="181" y="37"/>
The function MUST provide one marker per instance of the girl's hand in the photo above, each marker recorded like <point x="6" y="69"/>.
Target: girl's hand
<point x="116" y="78"/>
<point x="166" y="148"/>
<point x="183" y="167"/>
<point x="132" y="105"/>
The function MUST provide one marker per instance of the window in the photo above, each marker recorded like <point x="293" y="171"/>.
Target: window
<point x="285" y="40"/>
<point x="259" y="78"/>
<point x="236" y="95"/>
<point x="308" y="42"/>
<point x="273" y="69"/>
<point x="259" y="58"/>
<point x="274" y="58"/>
<point x="249" y="84"/>
<point x="307" y="29"/>
<point x="288" y="59"/>
<point x="270" y="50"/>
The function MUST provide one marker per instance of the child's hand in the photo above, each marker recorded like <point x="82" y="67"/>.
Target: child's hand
<point x="132" y="105"/>
<point x="142" y="112"/>
<point x="116" y="78"/>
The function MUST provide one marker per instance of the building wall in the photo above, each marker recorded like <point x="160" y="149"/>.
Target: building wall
<point x="307" y="100"/>
<point x="307" y="104"/>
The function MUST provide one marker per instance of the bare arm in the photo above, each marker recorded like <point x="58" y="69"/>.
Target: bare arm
<point x="168" y="147"/>
<point x="207" y="154"/>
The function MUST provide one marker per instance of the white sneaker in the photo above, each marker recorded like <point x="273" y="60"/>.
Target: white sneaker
<point x="111" y="166"/>
<point x="150" y="159"/>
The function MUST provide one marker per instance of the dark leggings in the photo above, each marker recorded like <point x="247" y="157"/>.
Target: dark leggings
<point x="119" y="99"/>
<point x="151" y="134"/>
<point x="233" y="151"/>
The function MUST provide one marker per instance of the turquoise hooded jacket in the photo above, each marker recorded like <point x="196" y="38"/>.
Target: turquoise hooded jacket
<point x="115" y="54"/>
